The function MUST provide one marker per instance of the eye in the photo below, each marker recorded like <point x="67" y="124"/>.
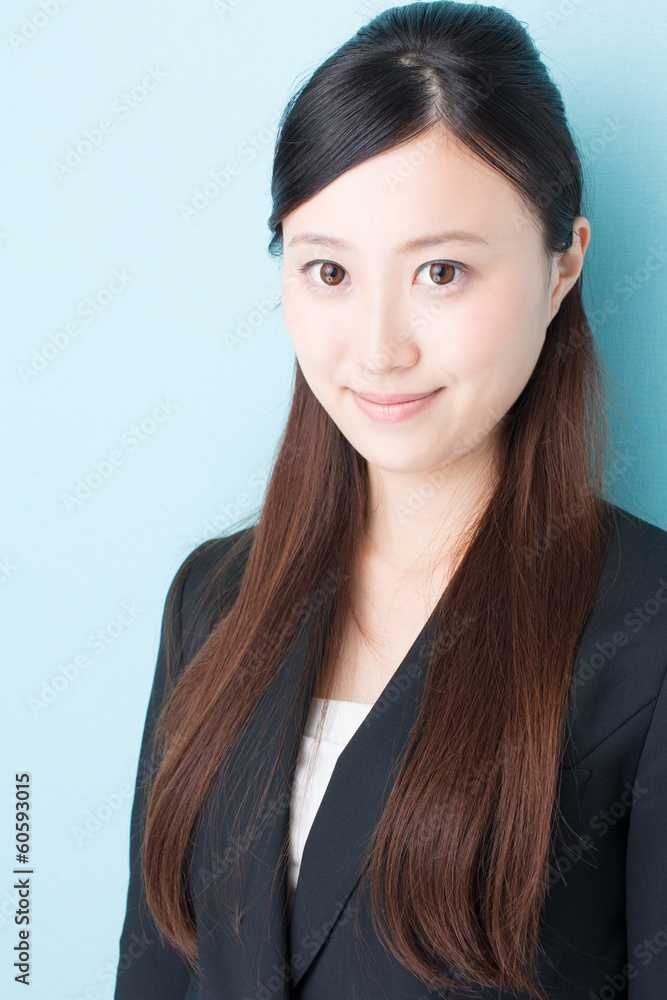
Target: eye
<point x="330" y="273"/>
<point x="441" y="272"/>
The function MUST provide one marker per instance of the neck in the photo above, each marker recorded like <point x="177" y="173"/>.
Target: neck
<point x="418" y="517"/>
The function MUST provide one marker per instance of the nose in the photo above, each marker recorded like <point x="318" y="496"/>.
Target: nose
<point x="383" y="337"/>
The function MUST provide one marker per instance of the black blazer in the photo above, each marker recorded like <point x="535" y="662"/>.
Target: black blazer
<point x="604" y="923"/>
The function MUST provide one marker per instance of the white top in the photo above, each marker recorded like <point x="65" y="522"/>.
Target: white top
<point x="314" y="767"/>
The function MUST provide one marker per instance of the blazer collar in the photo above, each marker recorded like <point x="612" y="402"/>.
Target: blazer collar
<point x="353" y="802"/>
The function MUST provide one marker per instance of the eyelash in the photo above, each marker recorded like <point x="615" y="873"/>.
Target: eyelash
<point x="329" y="288"/>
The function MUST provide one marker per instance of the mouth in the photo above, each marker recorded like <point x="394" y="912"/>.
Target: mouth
<point x="389" y="398"/>
<point x="392" y="407"/>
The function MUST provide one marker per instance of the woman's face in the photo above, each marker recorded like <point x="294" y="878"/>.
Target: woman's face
<point x="461" y="312"/>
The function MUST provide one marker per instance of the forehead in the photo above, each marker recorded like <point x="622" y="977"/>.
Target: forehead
<point x="431" y="183"/>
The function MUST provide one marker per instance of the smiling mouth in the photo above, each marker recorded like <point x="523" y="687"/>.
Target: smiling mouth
<point x="393" y="407"/>
<point x="389" y="398"/>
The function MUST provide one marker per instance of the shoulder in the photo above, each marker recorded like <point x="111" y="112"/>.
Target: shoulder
<point x="637" y="537"/>
<point x="622" y="658"/>
<point x="207" y="582"/>
<point x="633" y="585"/>
<point x="223" y="558"/>
<point x="636" y="564"/>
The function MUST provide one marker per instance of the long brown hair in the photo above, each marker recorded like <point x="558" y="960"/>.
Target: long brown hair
<point x="484" y="755"/>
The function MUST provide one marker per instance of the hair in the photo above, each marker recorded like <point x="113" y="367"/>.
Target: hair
<point x="487" y="740"/>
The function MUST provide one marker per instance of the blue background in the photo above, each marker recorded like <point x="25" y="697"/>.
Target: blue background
<point x="141" y="341"/>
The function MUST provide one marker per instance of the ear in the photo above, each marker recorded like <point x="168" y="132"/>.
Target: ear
<point x="567" y="266"/>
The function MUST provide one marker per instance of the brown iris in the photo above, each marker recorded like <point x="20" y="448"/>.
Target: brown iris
<point x="331" y="274"/>
<point x="436" y="275"/>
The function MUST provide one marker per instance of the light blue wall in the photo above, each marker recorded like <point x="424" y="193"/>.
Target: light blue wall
<point x="183" y="345"/>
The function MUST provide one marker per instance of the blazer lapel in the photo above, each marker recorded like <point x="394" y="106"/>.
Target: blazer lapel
<point x="352" y="805"/>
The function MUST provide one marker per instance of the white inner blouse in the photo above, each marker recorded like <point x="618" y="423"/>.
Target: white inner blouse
<point x="314" y="767"/>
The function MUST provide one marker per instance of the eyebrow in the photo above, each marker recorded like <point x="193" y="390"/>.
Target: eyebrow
<point x="421" y="243"/>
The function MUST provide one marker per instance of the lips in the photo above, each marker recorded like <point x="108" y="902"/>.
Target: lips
<point x="390" y="408"/>
<point x="387" y="398"/>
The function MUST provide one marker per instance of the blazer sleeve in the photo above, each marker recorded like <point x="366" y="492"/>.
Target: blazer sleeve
<point x="646" y="871"/>
<point x="147" y="968"/>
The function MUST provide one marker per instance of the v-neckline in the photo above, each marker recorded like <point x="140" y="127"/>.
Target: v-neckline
<point x="426" y="628"/>
<point x="356" y="793"/>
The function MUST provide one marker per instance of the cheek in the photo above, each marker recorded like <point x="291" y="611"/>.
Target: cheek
<point x="318" y="341"/>
<point x="500" y="330"/>
<point x="299" y="327"/>
<point x="292" y="315"/>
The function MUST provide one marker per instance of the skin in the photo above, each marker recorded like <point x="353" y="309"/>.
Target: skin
<point x="386" y="325"/>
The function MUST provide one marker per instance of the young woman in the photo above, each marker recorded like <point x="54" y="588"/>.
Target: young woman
<point x="407" y="734"/>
